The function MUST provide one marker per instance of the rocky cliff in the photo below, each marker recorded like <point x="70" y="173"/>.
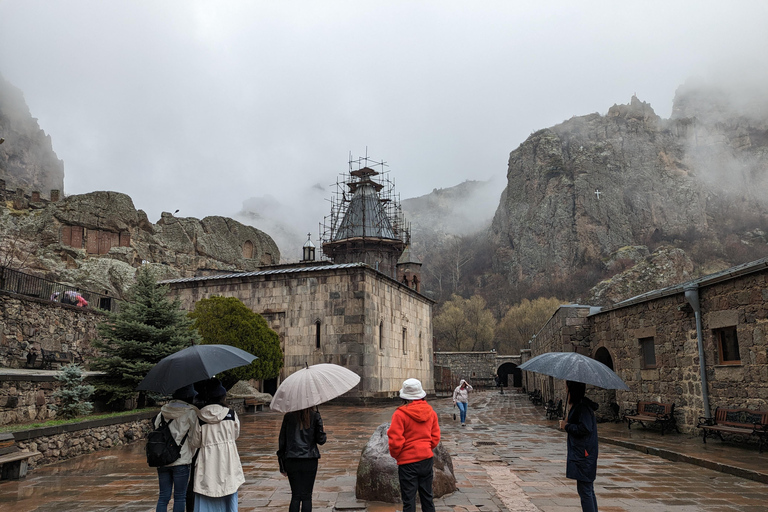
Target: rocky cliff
<point x="580" y="192"/>
<point x="27" y="159"/>
<point x="97" y="240"/>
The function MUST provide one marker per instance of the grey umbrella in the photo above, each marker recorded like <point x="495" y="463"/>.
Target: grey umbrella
<point x="192" y="364"/>
<point x="575" y="367"/>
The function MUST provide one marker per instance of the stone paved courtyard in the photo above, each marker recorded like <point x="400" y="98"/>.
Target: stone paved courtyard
<point x="508" y="458"/>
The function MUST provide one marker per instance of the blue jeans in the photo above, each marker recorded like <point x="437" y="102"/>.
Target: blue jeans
<point x="587" y="494"/>
<point x="463" y="410"/>
<point x="176" y="479"/>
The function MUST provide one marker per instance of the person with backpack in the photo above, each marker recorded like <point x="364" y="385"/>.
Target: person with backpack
<point x="413" y="434"/>
<point x="297" y="454"/>
<point x="170" y="447"/>
<point x="218" y="472"/>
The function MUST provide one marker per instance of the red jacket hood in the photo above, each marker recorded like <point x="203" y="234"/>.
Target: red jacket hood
<point x="418" y="410"/>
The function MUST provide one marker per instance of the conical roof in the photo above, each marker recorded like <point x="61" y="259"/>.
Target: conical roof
<point x="365" y="215"/>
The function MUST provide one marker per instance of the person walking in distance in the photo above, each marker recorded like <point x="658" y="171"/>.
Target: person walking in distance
<point x="413" y="435"/>
<point x="461" y="399"/>
<point x="297" y="454"/>
<point x="581" y="427"/>
<point x="181" y="418"/>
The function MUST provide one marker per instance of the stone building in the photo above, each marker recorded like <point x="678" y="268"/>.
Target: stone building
<point x="352" y="311"/>
<point x="653" y="341"/>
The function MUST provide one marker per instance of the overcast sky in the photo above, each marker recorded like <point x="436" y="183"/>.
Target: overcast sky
<point x="199" y="106"/>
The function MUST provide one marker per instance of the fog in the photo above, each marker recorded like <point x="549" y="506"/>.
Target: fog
<point x="215" y="108"/>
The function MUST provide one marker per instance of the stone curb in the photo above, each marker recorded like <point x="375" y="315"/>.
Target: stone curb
<point x="679" y="457"/>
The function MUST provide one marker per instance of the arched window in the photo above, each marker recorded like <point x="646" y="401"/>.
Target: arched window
<point x="317" y="334"/>
<point x="248" y="249"/>
<point x="381" y="335"/>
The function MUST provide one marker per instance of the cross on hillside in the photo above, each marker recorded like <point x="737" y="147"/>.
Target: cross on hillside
<point x="597" y="193"/>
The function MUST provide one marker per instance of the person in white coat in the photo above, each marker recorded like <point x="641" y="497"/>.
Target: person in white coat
<point x="461" y="399"/>
<point x="218" y="472"/>
<point x="184" y="426"/>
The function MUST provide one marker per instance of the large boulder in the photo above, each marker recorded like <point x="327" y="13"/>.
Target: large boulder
<point x="377" y="471"/>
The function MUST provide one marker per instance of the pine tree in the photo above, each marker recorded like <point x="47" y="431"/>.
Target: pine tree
<point x="148" y="327"/>
<point x="227" y="321"/>
<point x="73" y="395"/>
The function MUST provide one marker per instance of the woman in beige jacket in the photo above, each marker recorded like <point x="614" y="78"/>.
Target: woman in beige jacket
<point x="218" y="472"/>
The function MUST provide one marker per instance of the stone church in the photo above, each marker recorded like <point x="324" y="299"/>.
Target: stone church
<point x="359" y="307"/>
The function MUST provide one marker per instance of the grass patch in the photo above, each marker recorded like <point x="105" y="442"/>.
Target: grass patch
<point x="18" y="427"/>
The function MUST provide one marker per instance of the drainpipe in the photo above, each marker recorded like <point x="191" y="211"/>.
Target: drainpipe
<point x="692" y="296"/>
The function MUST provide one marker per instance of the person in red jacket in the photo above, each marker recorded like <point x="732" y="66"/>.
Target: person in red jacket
<point x="413" y="434"/>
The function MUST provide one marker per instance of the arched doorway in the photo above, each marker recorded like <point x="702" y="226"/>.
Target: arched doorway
<point x="507" y="369"/>
<point x="604" y="357"/>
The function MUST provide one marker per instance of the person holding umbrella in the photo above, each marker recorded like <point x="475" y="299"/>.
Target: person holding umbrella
<point x="218" y="472"/>
<point x="581" y="427"/>
<point x="413" y="435"/>
<point x="297" y="454"/>
<point x="302" y="430"/>
<point x="181" y="418"/>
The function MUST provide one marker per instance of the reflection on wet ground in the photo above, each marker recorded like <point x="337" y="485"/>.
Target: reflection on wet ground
<point x="507" y="458"/>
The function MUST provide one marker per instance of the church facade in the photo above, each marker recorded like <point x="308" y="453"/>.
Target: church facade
<point x="362" y="310"/>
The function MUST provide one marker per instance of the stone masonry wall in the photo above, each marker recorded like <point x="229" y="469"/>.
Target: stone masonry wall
<point x="477" y="368"/>
<point x="369" y="323"/>
<point x="26" y="400"/>
<point x="740" y="302"/>
<point x="26" y="322"/>
<point x="58" y="446"/>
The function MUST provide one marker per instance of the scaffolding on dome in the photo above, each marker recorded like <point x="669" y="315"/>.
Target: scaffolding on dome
<point x="365" y="205"/>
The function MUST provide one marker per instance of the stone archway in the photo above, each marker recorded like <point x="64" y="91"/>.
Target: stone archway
<point x="604" y="356"/>
<point x="507" y="369"/>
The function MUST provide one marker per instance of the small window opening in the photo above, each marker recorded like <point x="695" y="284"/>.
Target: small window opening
<point x="648" y="351"/>
<point x="727" y="345"/>
<point x="317" y="334"/>
<point x="405" y="337"/>
<point x="381" y="335"/>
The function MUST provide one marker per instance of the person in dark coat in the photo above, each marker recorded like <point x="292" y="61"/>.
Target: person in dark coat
<point x="581" y="428"/>
<point x="297" y="454"/>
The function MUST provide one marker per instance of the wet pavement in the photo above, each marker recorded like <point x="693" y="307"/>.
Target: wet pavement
<point x="507" y="458"/>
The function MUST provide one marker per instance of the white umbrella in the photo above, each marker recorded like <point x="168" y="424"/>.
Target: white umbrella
<point x="312" y="386"/>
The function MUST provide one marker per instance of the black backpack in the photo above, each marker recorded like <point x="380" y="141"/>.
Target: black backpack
<point x="161" y="446"/>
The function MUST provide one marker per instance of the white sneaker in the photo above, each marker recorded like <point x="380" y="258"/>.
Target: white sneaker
<point x="462" y="425"/>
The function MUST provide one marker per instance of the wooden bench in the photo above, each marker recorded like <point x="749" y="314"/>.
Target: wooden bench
<point x="656" y="413"/>
<point x="58" y="357"/>
<point x="13" y="466"/>
<point x="253" y="405"/>
<point x="744" y="422"/>
<point x="554" y="411"/>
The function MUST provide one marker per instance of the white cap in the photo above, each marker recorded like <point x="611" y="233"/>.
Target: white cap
<point x="412" y="390"/>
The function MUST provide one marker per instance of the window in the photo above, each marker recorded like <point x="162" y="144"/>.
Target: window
<point x="727" y="345"/>
<point x="648" y="352"/>
<point x="317" y="334"/>
<point x="421" y="351"/>
<point x="405" y="336"/>
<point x="381" y="335"/>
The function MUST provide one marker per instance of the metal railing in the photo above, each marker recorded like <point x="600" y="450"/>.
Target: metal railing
<point x="32" y="286"/>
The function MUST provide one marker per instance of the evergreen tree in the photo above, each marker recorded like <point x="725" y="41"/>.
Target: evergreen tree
<point x="227" y="321"/>
<point x="148" y="327"/>
<point x="73" y="395"/>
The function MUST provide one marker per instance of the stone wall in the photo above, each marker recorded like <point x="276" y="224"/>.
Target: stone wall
<point x="28" y="323"/>
<point x="350" y="315"/>
<point x="477" y="368"/>
<point x="66" y="441"/>
<point x="28" y="398"/>
<point x="667" y="321"/>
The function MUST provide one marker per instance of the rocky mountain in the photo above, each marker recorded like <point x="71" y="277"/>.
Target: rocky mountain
<point x="687" y="193"/>
<point x="97" y="240"/>
<point x="27" y="159"/>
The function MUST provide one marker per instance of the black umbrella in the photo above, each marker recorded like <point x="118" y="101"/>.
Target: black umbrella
<point x="576" y="367"/>
<point x="192" y="364"/>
